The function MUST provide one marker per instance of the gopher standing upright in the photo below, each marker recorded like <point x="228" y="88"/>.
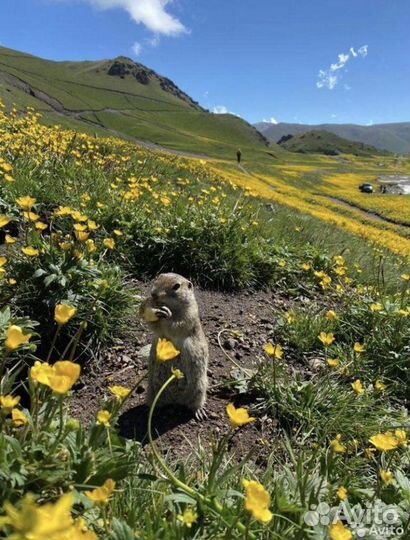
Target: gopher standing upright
<point x="172" y="313"/>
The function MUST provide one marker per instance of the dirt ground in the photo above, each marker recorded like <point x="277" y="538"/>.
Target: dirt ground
<point x="252" y="314"/>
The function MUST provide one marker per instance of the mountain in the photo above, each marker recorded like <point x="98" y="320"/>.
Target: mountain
<point x="123" y="98"/>
<point x="324" y="142"/>
<point x="392" y="137"/>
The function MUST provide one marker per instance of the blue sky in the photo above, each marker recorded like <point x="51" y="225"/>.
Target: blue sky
<point x="260" y="59"/>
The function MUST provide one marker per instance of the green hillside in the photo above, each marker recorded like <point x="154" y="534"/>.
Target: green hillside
<point x="324" y="142"/>
<point x="123" y="98"/>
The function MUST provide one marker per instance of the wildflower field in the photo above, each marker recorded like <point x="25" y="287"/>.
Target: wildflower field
<point x="322" y="401"/>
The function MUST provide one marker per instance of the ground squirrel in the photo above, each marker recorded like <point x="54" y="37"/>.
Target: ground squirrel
<point x="172" y="313"/>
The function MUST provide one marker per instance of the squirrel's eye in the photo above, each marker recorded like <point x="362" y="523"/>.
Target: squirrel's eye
<point x="176" y="286"/>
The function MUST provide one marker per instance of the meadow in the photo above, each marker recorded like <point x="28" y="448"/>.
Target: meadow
<point x="81" y="219"/>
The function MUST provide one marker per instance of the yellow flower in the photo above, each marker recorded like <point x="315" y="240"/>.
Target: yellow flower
<point x="290" y="318"/>
<point x="274" y="351"/>
<point x="338" y="531"/>
<point x="166" y="201"/>
<point x="358" y="347"/>
<point x="3" y="261"/>
<point x="257" y="500"/>
<point x="342" y="493"/>
<point x="40" y="226"/>
<point x="30" y="251"/>
<point x="81" y="236"/>
<point x="26" y="202"/>
<point x="41" y="373"/>
<point x="8" y="402"/>
<point x="18" y="418"/>
<point x="375" y="308"/>
<point x="101" y="495"/>
<point x="109" y="243"/>
<point x="92" y="225"/>
<point x="166" y="350"/>
<point x="384" y="442"/>
<point x="15" y="337"/>
<point x="306" y="267"/>
<point x="336" y="445"/>
<point x="4" y="220"/>
<point x="401" y="436"/>
<point x="120" y="392"/>
<point x="331" y="315"/>
<point x="188" y="518"/>
<point x="49" y="521"/>
<point x="238" y="417"/>
<point x="65" y="375"/>
<point x="386" y="477"/>
<point x="333" y="362"/>
<point x="104" y="417"/>
<point x="31" y="216"/>
<point x="326" y="339"/>
<point x="10" y="240"/>
<point x="358" y="387"/>
<point x="63" y="313"/>
<point x="405" y="277"/>
<point x="380" y="386"/>
<point x="79" y="227"/>
<point x="339" y="260"/>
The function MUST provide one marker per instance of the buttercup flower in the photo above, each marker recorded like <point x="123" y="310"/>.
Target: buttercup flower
<point x="120" y="392"/>
<point x="331" y="315"/>
<point x="358" y="387"/>
<point x="274" y="351"/>
<point x="104" y="417"/>
<point x="342" y="493"/>
<point x="380" y="386"/>
<point x="333" y="362"/>
<point x="26" y="202"/>
<point x="358" y="347"/>
<point x="30" y="251"/>
<point x="338" y="531"/>
<point x="41" y="373"/>
<point x="326" y="338"/>
<point x="4" y="220"/>
<point x="336" y="445"/>
<point x="65" y="375"/>
<point x="188" y="518"/>
<point x="63" y="313"/>
<point x="101" y="495"/>
<point x="109" y="243"/>
<point x="386" y="477"/>
<point x="166" y="350"/>
<point x="8" y="402"/>
<point x="384" y="442"/>
<point x="18" y="417"/>
<point x="238" y="417"/>
<point x="15" y="337"/>
<point x="257" y="500"/>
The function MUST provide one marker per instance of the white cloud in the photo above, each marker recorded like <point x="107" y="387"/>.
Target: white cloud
<point x="329" y="78"/>
<point x="220" y="109"/>
<point x="333" y="115"/>
<point x="270" y="120"/>
<point x="363" y="50"/>
<point x="151" y="13"/>
<point x="136" y="48"/>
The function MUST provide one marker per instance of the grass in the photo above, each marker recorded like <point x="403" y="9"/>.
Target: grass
<point x="107" y="210"/>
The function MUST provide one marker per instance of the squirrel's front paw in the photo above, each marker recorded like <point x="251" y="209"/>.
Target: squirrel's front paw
<point x="163" y="312"/>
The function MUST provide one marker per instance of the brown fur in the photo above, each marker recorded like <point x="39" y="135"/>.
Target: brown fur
<point x="181" y="325"/>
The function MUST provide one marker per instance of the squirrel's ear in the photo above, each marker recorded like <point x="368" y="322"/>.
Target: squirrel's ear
<point x="189" y="285"/>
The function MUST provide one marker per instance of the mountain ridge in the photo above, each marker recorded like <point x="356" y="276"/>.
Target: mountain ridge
<point x="392" y="136"/>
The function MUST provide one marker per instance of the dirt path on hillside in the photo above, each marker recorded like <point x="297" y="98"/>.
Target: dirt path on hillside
<point x="366" y="213"/>
<point x="253" y="315"/>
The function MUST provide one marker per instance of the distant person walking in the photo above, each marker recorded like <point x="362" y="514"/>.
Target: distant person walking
<point x="238" y="156"/>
